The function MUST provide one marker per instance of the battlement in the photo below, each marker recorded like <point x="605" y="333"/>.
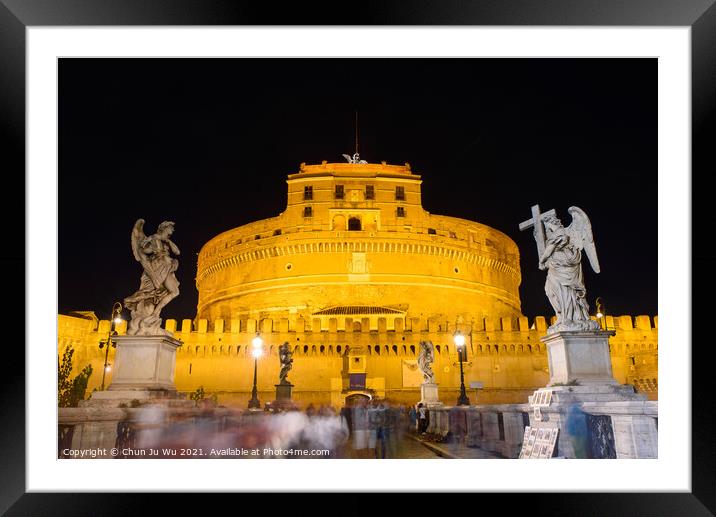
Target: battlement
<point x="354" y="169"/>
<point x="504" y="353"/>
<point x="520" y="326"/>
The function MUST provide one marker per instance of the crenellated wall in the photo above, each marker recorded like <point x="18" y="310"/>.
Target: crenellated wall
<point x="505" y="354"/>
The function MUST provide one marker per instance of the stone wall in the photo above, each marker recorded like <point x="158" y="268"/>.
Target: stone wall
<point x="506" y="355"/>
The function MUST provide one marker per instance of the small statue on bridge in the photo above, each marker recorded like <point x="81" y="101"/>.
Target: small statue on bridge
<point x="425" y="359"/>
<point x="284" y="355"/>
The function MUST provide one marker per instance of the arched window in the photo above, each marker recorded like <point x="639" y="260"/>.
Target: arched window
<point x="354" y="224"/>
<point x="338" y="349"/>
<point x="395" y="349"/>
<point x="377" y="349"/>
<point x="412" y="349"/>
<point x="339" y="222"/>
<point x="323" y="349"/>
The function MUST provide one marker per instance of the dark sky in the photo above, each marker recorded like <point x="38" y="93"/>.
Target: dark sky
<point x="208" y="143"/>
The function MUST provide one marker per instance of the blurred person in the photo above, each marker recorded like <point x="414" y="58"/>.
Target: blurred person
<point x="413" y="416"/>
<point x="360" y="429"/>
<point x="422" y="419"/>
<point x="310" y="410"/>
<point x="325" y="432"/>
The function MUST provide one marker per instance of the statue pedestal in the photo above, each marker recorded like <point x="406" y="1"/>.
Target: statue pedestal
<point x="597" y="421"/>
<point x="429" y="394"/>
<point x="283" y="400"/>
<point x="144" y="363"/>
<point x="594" y="415"/>
<point x="143" y="373"/>
<point x="283" y="391"/>
<point x="579" y="357"/>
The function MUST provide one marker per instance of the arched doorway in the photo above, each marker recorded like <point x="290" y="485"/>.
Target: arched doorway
<point x="357" y="399"/>
<point x="354" y="224"/>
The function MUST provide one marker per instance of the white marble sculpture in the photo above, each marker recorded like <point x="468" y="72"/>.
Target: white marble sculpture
<point x="560" y="252"/>
<point x="158" y="285"/>
<point x="425" y="360"/>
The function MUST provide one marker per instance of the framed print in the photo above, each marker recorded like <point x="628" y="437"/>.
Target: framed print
<point x="267" y="235"/>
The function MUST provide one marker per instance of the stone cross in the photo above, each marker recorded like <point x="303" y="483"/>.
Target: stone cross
<point x="536" y="221"/>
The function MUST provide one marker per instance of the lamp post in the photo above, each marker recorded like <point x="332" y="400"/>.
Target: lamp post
<point x="459" y="339"/>
<point x="601" y="313"/>
<point x="256" y="350"/>
<point x="115" y="319"/>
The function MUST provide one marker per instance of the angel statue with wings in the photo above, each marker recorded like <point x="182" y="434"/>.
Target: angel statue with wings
<point x="425" y="359"/>
<point x="560" y="252"/>
<point x="158" y="285"/>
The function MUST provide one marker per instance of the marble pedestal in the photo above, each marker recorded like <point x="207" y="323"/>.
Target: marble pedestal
<point x="143" y="372"/>
<point x="579" y="357"/>
<point x="596" y="416"/>
<point x="144" y="363"/>
<point x="597" y="421"/>
<point x="429" y="394"/>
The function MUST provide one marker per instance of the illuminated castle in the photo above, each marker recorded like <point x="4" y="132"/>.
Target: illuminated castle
<point x="354" y="274"/>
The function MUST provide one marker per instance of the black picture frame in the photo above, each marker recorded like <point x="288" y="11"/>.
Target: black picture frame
<point x="699" y="15"/>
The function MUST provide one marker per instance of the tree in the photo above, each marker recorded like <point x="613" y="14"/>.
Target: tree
<point x="71" y="391"/>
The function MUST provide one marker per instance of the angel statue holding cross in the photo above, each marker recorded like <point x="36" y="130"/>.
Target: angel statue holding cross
<point x="560" y="252"/>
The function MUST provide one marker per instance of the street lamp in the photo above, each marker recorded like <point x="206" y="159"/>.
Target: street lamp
<point x="459" y="339"/>
<point x="601" y="313"/>
<point x="115" y="319"/>
<point x="256" y="350"/>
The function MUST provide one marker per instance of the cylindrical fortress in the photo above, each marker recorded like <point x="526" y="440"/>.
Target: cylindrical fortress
<point x="354" y="242"/>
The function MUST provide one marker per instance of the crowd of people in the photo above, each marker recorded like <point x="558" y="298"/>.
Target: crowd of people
<point x="365" y="428"/>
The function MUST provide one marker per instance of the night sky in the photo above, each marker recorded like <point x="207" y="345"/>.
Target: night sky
<point x="208" y="143"/>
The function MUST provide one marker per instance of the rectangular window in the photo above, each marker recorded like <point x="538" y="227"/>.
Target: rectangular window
<point x="307" y="211"/>
<point x="369" y="192"/>
<point x="400" y="193"/>
<point x="431" y="231"/>
<point x="307" y="193"/>
<point x="501" y="426"/>
<point x="277" y="232"/>
<point x="400" y="212"/>
<point x="453" y="235"/>
<point x="339" y="192"/>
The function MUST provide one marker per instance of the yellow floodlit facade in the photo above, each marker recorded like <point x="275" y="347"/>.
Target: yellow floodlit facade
<point x="357" y="235"/>
<point x="353" y="275"/>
